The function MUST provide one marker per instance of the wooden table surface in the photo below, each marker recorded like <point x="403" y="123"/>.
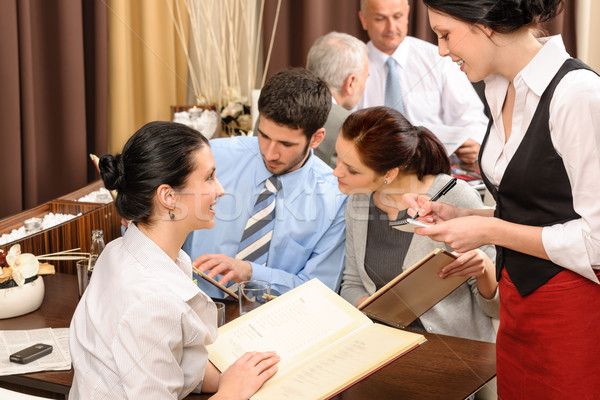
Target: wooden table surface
<point x="442" y="368"/>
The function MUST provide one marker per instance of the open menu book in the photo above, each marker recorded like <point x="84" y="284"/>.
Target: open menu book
<point x="325" y="344"/>
<point x="409" y="295"/>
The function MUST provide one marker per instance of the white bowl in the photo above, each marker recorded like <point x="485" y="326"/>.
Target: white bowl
<point x="16" y="301"/>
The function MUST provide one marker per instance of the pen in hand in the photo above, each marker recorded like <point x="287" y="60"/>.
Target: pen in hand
<point x="451" y="183"/>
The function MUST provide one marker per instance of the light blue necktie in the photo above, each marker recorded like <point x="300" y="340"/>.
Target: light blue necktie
<point x="256" y="239"/>
<point x="393" y="91"/>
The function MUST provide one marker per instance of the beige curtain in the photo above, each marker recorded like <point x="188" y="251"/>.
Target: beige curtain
<point x="588" y="32"/>
<point x="146" y="65"/>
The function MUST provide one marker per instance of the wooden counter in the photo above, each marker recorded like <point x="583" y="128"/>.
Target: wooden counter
<point x="443" y="368"/>
<point x="71" y="234"/>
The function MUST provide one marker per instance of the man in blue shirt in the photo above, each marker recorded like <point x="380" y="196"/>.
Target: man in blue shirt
<point x="308" y="237"/>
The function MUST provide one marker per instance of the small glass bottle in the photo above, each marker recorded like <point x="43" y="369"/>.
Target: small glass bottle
<point x="96" y="248"/>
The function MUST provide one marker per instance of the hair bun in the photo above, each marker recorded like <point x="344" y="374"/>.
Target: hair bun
<point x="111" y="171"/>
<point x="540" y="10"/>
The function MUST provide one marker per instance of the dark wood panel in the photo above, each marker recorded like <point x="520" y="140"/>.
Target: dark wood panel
<point x="68" y="235"/>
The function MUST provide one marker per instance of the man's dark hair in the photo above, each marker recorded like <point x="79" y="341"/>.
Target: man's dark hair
<point x="296" y="98"/>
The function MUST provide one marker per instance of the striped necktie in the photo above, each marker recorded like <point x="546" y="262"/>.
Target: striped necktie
<point x="256" y="239"/>
<point x="393" y="91"/>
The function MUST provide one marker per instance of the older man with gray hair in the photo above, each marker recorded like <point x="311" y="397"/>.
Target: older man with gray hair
<point x="409" y="75"/>
<point x="341" y="61"/>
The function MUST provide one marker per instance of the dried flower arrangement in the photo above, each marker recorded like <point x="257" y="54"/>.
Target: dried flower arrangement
<point x="224" y="54"/>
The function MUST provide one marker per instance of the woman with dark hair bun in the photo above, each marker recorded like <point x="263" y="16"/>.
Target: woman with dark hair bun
<point x="540" y="159"/>
<point x="381" y="156"/>
<point x="141" y="329"/>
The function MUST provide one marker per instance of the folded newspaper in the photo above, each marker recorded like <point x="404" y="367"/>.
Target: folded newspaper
<point x="12" y="341"/>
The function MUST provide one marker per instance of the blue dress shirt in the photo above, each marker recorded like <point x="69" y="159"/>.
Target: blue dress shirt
<point x="309" y="234"/>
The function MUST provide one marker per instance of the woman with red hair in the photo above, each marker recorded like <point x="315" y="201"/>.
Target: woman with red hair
<point x="381" y="157"/>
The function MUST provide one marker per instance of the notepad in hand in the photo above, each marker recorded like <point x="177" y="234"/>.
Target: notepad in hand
<point x="413" y="292"/>
<point x="410" y="225"/>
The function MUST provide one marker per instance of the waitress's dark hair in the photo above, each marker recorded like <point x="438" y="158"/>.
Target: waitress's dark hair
<point x="384" y="140"/>
<point x="158" y="153"/>
<point x="503" y="16"/>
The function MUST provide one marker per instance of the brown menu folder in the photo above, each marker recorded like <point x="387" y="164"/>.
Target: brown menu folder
<point x="413" y="292"/>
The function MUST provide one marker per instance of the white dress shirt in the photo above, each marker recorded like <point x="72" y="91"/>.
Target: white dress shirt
<point x="141" y="329"/>
<point x="575" y="133"/>
<point x="436" y="93"/>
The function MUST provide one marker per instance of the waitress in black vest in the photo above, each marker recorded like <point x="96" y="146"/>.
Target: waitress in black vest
<point x="541" y="161"/>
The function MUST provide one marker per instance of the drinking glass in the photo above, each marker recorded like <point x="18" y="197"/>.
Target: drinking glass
<point x="84" y="272"/>
<point x="220" y="313"/>
<point x="253" y="294"/>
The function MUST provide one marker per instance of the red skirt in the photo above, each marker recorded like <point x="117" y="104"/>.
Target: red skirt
<point x="548" y="344"/>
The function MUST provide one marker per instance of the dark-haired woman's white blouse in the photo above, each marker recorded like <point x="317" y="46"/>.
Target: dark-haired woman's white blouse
<point x="141" y="329"/>
<point x="575" y="132"/>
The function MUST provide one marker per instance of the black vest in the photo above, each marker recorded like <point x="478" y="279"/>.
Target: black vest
<point x="534" y="190"/>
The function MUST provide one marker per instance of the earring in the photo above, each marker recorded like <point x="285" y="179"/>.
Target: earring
<point x="385" y="182"/>
<point x="171" y="215"/>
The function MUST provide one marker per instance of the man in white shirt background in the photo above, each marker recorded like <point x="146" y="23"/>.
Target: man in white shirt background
<point x="434" y="92"/>
<point x="341" y="61"/>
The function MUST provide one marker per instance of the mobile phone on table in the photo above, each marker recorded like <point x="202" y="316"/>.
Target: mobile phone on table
<point x="31" y="353"/>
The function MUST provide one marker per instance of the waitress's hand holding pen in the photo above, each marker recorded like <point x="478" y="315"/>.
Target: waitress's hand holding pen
<point x="428" y="210"/>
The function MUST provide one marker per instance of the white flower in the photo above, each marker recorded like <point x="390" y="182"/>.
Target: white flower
<point x="23" y="265"/>
<point x="232" y="110"/>
<point x="245" y="122"/>
<point x="233" y="95"/>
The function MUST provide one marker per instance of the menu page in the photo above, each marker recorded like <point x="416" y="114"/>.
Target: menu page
<point x="341" y="365"/>
<point x="295" y="325"/>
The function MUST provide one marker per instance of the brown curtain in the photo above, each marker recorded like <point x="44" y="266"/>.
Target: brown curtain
<point x="565" y="25"/>
<point x="53" y="98"/>
<point x="53" y="80"/>
<point x="303" y="21"/>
